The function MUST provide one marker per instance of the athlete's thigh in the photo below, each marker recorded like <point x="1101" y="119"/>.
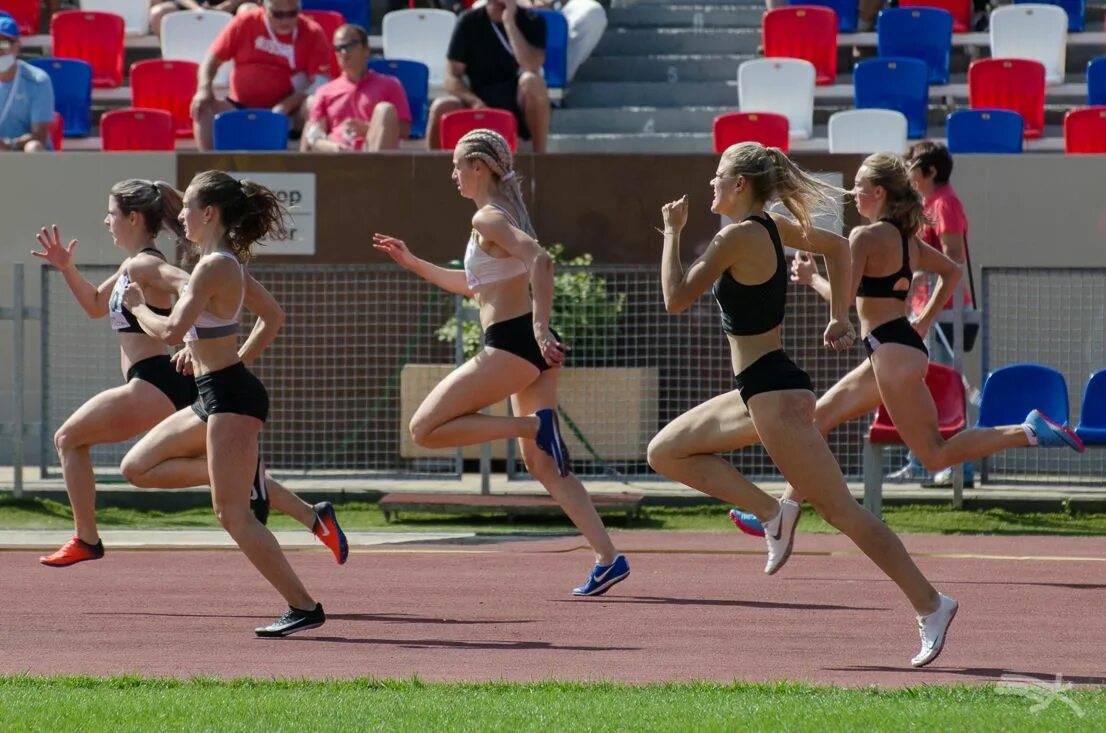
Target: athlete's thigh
<point x="484" y="380"/>
<point x="181" y="435"/>
<point x="719" y="425"/>
<point x="118" y="414"/>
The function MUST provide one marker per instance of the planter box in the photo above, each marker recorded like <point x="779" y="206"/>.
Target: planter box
<point x="614" y="408"/>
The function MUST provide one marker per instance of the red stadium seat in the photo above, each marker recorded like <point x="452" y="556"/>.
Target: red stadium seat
<point x="456" y="124"/>
<point x="329" y="21"/>
<point x="1085" y="130"/>
<point x="767" y="128"/>
<point x="96" y="38"/>
<point x="803" y="32"/>
<point x="1014" y="84"/>
<point x="137" y="129"/>
<point x="947" y="389"/>
<point x="26" y="13"/>
<point x="166" y="85"/>
<point x="57" y="131"/>
<point x="961" y="11"/>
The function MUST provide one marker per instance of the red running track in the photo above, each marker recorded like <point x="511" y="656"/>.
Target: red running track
<point x="697" y="607"/>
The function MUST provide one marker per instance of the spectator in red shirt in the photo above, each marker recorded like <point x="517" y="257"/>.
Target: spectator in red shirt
<point x="280" y="57"/>
<point x="361" y="109"/>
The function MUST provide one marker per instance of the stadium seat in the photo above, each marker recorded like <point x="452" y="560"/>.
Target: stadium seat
<point x="1092" y="416"/>
<point x="1014" y="84"/>
<point x="806" y="32"/>
<point x="419" y="35"/>
<point x="135" y="13"/>
<point x="1085" y="130"/>
<point x="72" y="82"/>
<point x="768" y="129"/>
<point x="961" y="11"/>
<point x="26" y="13"/>
<point x="867" y="131"/>
<point x="782" y="86"/>
<point x="846" y="12"/>
<point x="329" y="21"/>
<point x="894" y="83"/>
<point x="186" y="35"/>
<point x="1096" y="81"/>
<point x="353" y="11"/>
<point x="1075" y="9"/>
<point x="137" y="129"/>
<point x="251" y="129"/>
<point x="984" y="131"/>
<point x="947" y="388"/>
<point x="1010" y="393"/>
<point x="415" y="78"/>
<point x="57" y="132"/>
<point x="1035" y="32"/>
<point x="96" y="38"/>
<point x="555" y="69"/>
<point x="456" y="124"/>
<point x="918" y="33"/>
<point x="166" y="85"/>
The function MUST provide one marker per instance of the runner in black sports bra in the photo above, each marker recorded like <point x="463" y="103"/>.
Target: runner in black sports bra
<point x="898" y="330"/>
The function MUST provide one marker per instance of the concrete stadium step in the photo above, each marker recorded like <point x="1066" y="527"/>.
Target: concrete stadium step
<point x="651" y="94"/>
<point x="686" y="16"/>
<point x="667" y="68"/>
<point x="627" y="41"/>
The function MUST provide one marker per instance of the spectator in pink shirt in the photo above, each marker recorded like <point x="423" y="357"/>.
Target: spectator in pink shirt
<point x="359" y="110"/>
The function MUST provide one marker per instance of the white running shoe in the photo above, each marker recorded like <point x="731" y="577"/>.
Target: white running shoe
<point x="779" y="533"/>
<point x="933" y="629"/>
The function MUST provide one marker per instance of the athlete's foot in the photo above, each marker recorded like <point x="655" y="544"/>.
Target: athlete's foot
<point x="72" y="552"/>
<point x="329" y="533"/>
<point x="747" y="522"/>
<point x="779" y="533"/>
<point x="603" y="577"/>
<point x="549" y="439"/>
<point x="933" y="628"/>
<point x="1051" y="434"/>
<point x="293" y="620"/>
<point x="259" y="493"/>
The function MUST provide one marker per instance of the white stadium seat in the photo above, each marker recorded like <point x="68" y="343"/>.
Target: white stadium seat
<point x="783" y="86"/>
<point x="187" y="35"/>
<point x="867" y="131"/>
<point x="1034" y="32"/>
<point x="135" y="13"/>
<point x="419" y="35"/>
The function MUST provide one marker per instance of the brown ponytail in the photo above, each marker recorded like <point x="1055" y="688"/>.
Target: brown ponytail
<point x="248" y="211"/>
<point x="774" y="177"/>
<point x="157" y="202"/>
<point x="904" y="205"/>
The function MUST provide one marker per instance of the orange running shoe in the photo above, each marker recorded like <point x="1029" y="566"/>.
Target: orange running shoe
<point x="329" y="533"/>
<point x="72" y="552"/>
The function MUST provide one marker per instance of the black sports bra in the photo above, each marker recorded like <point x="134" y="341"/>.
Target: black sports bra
<point x="122" y="320"/>
<point x="750" y="310"/>
<point x="884" y="287"/>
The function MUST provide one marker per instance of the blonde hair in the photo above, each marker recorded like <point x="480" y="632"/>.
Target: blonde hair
<point x="904" y="207"/>
<point x="773" y="176"/>
<point x="492" y="149"/>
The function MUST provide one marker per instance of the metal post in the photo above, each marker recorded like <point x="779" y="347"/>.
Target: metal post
<point x="458" y="360"/>
<point x="873" y="478"/>
<point x="958" y="366"/>
<point x="44" y="446"/>
<point x="17" y="380"/>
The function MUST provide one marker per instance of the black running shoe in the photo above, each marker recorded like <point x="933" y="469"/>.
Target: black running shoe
<point x="259" y="494"/>
<point x="293" y="620"/>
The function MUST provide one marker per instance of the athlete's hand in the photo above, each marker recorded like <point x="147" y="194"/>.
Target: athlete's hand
<point x="839" y="335"/>
<point x="803" y="268"/>
<point x="675" y="214"/>
<point x="552" y="350"/>
<point x="394" y="248"/>
<point x="54" y="252"/>
<point x="133" y="297"/>
<point x="182" y="360"/>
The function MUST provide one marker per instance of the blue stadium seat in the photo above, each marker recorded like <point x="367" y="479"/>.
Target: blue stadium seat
<point x="1010" y="393"/>
<point x="354" y="11"/>
<point x="846" y="12"/>
<point x="1092" y="416"/>
<point x="1075" y="9"/>
<point x="251" y="129"/>
<point x="556" y="49"/>
<point x="897" y="83"/>
<point x="415" y="77"/>
<point x="984" y="131"/>
<point x="1096" y="82"/>
<point x="72" y="82"/>
<point x="919" y="33"/>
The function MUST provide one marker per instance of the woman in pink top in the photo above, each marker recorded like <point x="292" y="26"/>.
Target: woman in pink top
<point x="510" y="276"/>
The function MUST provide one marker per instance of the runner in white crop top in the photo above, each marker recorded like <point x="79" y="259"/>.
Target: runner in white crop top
<point x="209" y="325"/>
<point x="482" y="268"/>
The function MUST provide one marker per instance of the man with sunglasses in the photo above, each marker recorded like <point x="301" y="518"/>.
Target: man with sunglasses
<point x="361" y="109"/>
<point x="26" y="96"/>
<point x="280" y="58"/>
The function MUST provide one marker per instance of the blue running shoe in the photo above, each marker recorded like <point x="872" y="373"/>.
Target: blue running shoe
<point x="549" y="439"/>
<point x="747" y="522"/>
<point x="1051" y="434"/>
<point x="603" y="577"/>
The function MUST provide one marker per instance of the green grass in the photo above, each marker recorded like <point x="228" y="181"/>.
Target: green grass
<point x="46" y="514"/>
<point x="133" y="704"/>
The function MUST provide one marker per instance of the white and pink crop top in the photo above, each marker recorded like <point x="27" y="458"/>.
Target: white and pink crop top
<point x="210" y="326"/>
<point x="482" y="268"/>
